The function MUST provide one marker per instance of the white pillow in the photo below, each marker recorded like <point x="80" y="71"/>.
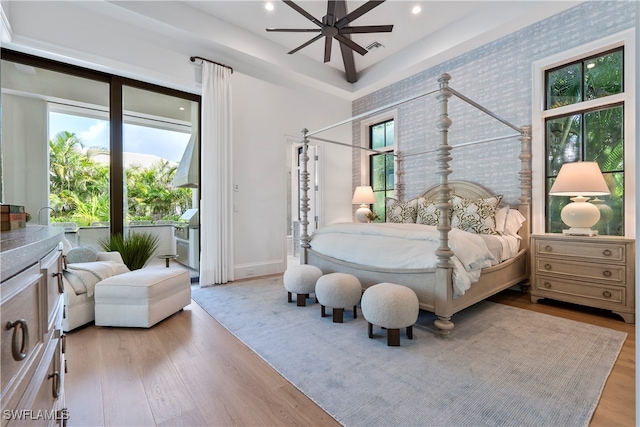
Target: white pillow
<point x="513" y="223"/>
<point x="501" y="218"/>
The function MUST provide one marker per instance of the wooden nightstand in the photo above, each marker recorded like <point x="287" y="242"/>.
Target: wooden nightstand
<point x="594" y="271"/>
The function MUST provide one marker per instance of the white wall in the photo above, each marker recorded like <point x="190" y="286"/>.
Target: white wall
<point x="263" y="113"/>
<point x="24" y="171"/>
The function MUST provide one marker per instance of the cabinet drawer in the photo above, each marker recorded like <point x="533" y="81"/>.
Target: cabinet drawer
<point x="604" y="251"/>
<point x="51" y="267"/>
<point x="38" y="404"/>
<point x="21" y="302"/>
<point x="616" y="274"/>
<point x="579" y="292"/>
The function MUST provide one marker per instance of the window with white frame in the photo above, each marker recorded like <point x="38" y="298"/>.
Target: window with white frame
<point x="584" y="114"/>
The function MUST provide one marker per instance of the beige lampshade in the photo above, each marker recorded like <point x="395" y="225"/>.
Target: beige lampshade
<point x="579" y="179"/>
<point x="363" y="195"/>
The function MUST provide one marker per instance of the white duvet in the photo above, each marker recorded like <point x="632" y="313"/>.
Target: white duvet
<point x="404" y="246"/>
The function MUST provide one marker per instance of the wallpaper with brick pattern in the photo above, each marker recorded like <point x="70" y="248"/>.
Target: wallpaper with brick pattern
<point x="497" y="76"/>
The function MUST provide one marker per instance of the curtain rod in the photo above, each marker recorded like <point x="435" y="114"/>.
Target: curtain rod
<point x="193" y="59"/>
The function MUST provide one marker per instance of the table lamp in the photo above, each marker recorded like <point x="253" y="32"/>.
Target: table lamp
<point x="364" y="197"/>
<point x="580" y="179"/>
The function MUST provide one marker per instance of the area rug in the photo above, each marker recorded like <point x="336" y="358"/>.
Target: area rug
<point x="500" y="365"/>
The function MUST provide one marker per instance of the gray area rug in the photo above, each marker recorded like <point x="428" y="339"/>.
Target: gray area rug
<point x="500" y="365"/>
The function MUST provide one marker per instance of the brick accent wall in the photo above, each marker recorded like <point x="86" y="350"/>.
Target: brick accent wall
<point x="497" y="76"/>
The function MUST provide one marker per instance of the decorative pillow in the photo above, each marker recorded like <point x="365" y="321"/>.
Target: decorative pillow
<point x="82" y="254"/>
<point x="475" y="216"/>
<point x="402" y="212"/>
<point x="427" y="212"/>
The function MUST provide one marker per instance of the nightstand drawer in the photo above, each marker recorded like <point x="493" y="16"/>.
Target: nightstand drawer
<point x="616" y="274"/>
<point x="603" y="251"/>
<point x="580" y="292"/>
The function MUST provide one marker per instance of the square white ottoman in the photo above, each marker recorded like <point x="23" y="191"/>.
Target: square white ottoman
<point x="141" y="298"/>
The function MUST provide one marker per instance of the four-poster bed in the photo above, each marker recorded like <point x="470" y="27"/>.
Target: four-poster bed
<point x="434" y="285"/>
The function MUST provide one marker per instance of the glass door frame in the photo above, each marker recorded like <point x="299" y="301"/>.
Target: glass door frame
<point x="116" y="83"/>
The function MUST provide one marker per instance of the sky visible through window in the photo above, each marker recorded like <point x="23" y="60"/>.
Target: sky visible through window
<point x="93" y="132"/>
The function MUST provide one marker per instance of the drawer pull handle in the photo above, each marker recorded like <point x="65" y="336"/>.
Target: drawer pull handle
<point x="606" y="252"/>
<point x="19" y="349"/>
<point x="547" y="266"/>
<point x="58" y="275"/>
<point x="547" y="285"/>
<point x="606" y="273"/>
<point x="606" y="294"/>
<point x="55" y="386"/>
<point x="63" y="343"/>
<point x="548" y="248"/>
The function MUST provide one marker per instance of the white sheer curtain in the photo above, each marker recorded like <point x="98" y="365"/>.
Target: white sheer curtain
<point x="216" y="205"/>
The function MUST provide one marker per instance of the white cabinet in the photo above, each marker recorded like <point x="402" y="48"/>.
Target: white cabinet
<point x="32" y="344"/>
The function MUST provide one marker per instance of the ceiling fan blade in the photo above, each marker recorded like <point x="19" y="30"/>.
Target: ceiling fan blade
<point x="328" y="41"/>
<point x="349" y="63"/>
<point x="366" y="29"/>
<point x="303" y="12"/>
<point x="351" y="44"/>
<point x="331" y="13"/>
<point x="358" y="12"/>
<point x="295" y="30"/>
<point x="347" y="53"/>
<point x="318" y="37"/>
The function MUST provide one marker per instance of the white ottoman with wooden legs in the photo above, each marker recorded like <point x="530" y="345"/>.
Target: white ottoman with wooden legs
<point x="338" y="291"/>
<point x="392" y="307"/>
<point x="301" y="280"/>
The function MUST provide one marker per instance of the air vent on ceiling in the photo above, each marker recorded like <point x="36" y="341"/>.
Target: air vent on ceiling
<point x="374" y="45"/>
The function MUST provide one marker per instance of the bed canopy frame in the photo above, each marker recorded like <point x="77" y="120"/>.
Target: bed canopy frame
<point x="441" y="193"/>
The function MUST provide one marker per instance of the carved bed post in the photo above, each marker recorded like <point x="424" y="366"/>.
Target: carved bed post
<point x="399" y="190"/>
<point x="304" y="198"/>
<point x="525" y="192"/>
<point x="444" y="288"/>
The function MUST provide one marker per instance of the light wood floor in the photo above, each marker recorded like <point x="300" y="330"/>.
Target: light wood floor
<point x="189" y="370"/>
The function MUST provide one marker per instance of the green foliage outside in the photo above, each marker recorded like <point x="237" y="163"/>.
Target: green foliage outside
<point x="135" y="250"/>
<point x="79" y="186"/>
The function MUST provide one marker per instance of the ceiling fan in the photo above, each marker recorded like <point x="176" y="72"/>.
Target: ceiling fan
<point x="335" y="25"/>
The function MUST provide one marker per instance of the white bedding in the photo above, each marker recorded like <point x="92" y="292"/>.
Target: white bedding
<point x="408" y="246"/>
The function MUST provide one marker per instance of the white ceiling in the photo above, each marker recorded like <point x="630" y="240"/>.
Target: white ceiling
<point x="441" y="30"/>
<point x="234" y="33"/>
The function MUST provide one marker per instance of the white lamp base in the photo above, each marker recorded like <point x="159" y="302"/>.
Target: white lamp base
<point x="580" y="215"/>
<point x="577" y="231"/>
<point x="361" y="214"/>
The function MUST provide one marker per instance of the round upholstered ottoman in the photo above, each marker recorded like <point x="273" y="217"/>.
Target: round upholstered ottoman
<point x="338" y="291"/>
<point x="392" y="307"/>
<point x="301" y="280"/>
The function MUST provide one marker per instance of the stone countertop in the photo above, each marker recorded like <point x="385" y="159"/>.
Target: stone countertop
<point x="24" y="247"/>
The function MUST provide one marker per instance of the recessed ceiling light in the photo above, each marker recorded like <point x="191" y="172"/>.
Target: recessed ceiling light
<point x="269" y="6"/>
<point x="181" y="108"/>
<point x="416" y="10"/>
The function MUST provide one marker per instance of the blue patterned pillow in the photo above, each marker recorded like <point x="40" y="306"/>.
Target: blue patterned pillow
<point x="82" y="254"/>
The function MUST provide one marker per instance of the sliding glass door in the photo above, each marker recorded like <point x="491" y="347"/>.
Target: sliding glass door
<point x="97" y="150"/>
